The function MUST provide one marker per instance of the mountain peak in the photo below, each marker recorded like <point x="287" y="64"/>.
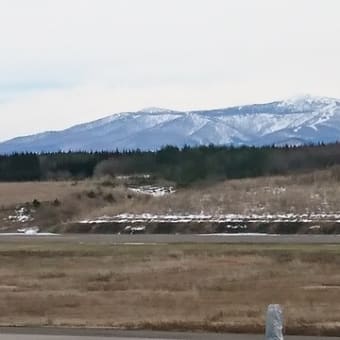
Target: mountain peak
<point x="308" y="99"/>
<point x="301" y="119"/>
<point x="154" y="110"/>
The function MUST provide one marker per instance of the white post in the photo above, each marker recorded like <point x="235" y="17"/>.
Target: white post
<point x="274" y="323"/>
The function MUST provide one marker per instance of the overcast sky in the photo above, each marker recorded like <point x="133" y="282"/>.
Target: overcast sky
<point x="69" y="61"/>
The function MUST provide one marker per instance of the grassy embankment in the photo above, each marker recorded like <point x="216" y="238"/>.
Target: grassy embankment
<point x="62" y="202"/>
<point x="167" y="287"/>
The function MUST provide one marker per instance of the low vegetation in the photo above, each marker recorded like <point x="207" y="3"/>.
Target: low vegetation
<point x="182" y="287"/>
<point x="58" y="203"/>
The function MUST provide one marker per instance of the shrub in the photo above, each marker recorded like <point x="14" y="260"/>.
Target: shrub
<point x="91" y="194"/>
<point x="56" y="203"/>
<point x="36" y="203"/>
<point x="109" y="198"/>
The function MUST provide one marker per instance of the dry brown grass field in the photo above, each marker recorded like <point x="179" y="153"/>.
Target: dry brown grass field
<point x="184" y="287"/>
<point x="21" y="192"/>
<point x="315" y="192"/>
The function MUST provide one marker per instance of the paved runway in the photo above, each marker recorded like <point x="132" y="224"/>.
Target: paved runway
<point x="177" y="238"/>
<point x="78" y="334"/>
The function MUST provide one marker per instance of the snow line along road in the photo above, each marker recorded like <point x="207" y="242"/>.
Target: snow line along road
<point x="223" y="218"/>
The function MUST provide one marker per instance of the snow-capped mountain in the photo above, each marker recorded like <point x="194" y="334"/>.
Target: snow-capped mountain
<point x="295" y="121"/>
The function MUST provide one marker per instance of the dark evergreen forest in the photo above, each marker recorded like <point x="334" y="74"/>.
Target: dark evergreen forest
<point x="183" y="166"/>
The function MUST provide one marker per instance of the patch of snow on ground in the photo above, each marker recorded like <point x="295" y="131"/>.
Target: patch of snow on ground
<point x="28" y="234"/>
<point x="134" y="230"/>
<point x="153" y="190"/>
<point x="236" y="227"/>
<point x="33" y="231"/>
<point x="28" y="231"/>
<point x="315" y="227"/>
<point x="222" y="218"/>
<point x="22" y="215"/>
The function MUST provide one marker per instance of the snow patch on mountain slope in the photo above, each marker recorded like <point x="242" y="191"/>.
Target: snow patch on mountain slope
<point x="307" y="102"/>
<point x="155" y="110"/>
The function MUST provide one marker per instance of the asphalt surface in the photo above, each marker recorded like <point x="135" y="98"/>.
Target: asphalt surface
<point x="177" y="238"/>
<point x="88" y="334"/>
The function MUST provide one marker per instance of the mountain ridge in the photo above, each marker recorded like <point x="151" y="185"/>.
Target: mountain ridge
<point x="306" y="119"/>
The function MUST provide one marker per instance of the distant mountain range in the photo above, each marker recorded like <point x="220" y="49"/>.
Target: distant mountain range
<point x="296" y="121"/>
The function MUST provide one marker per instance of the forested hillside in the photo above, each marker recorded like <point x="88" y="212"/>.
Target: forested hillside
<point x="183" y="166"/>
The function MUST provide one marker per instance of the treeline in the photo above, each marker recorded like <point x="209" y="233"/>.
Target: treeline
<point x="46" y="166"/>
<point x="183" y="166"/>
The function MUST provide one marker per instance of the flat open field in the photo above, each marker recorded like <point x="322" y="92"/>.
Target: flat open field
<point x="19" y="193"/>
<point x="212" y="287"/>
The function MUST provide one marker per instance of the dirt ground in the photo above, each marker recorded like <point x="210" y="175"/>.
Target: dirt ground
<point x="177" y="287"/>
